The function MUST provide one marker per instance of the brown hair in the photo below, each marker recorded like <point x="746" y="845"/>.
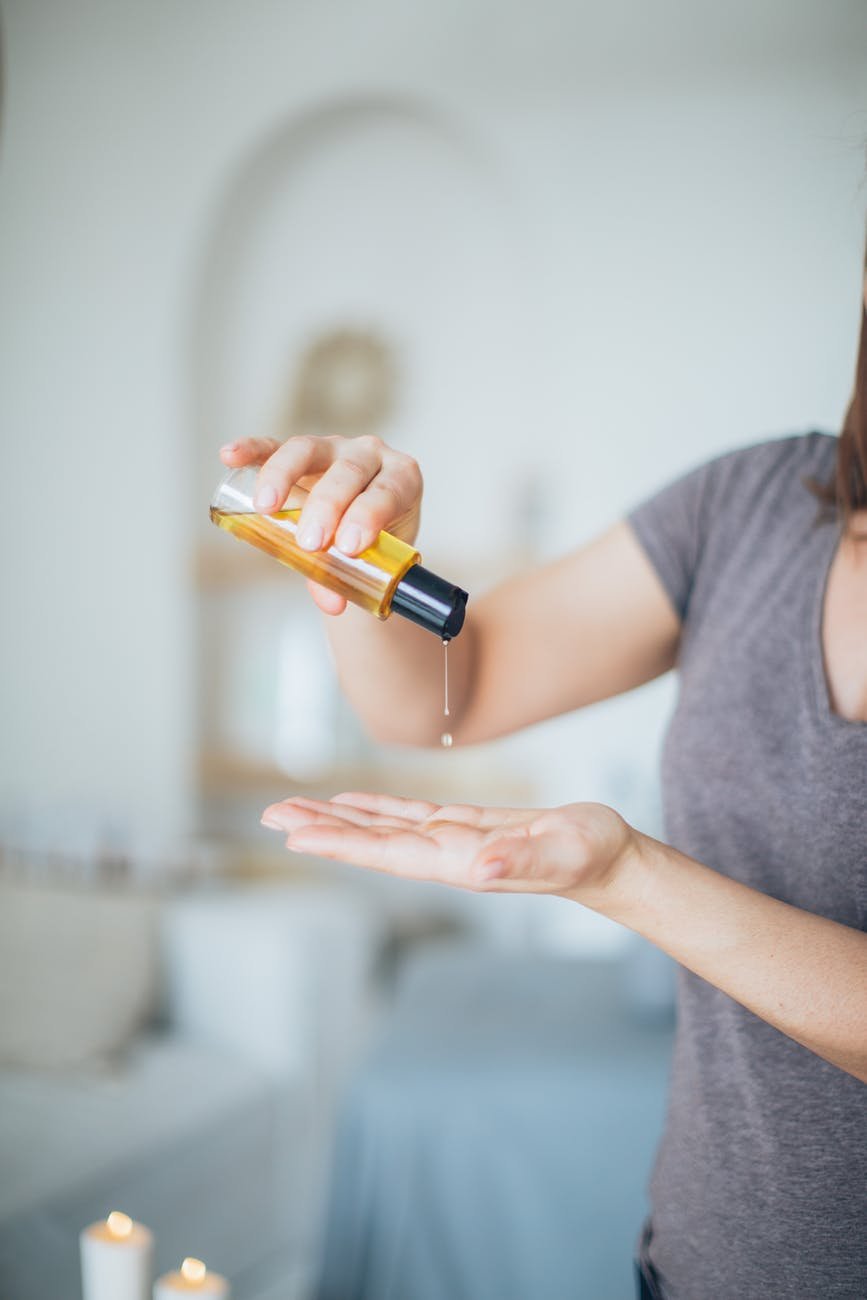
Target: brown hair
<point x="847" y="490"/>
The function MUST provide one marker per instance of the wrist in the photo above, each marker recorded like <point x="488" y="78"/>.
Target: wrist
<point x="622" y="893"/>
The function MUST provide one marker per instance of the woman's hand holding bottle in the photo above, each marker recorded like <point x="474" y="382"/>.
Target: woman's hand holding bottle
<point x="357" y="488"/>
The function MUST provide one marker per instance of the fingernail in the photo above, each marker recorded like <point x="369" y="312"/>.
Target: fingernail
<point x="230" y="446"/>
<point x="310" y="537"/>
<point x="271" y="822"/>
<point x="266" y="498"/>
<point x="349" y="539"/>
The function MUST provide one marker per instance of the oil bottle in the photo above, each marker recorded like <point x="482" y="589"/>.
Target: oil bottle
<point x="386" y="578"/>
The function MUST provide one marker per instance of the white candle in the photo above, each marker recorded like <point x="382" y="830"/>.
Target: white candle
<point x="116" y="1259"/>
<point x="192" y="1279"/>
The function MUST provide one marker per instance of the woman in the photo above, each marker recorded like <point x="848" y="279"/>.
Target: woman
<point x="757" y="593"/>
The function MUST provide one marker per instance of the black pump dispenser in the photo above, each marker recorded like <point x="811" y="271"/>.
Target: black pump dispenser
<point x="430" y="601"/>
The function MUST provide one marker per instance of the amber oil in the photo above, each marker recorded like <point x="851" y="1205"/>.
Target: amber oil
<point x="367" y="579"/>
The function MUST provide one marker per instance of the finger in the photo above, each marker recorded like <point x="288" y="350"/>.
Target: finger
<point x="288" y="817"/>
<point x="430" y="815"/>
<point x="302" y="455"/>
<point x="391" y="494"/>
<point x="393" y="851"/>
<point x="413" y="810"/>
<point x="300" y="810"/>
<point x="328" y="601"/>
<point x="507" y="817"/>
<point x="454" y="813"/>
<point x="465" y="814"/>
<point x="357" y="463"/>
<point x="248" y="451"/>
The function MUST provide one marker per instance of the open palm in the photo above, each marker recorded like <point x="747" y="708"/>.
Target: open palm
<point x="558" y="850"/>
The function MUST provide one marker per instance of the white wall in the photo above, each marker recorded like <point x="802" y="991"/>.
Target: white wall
<point x="686" y="187"/>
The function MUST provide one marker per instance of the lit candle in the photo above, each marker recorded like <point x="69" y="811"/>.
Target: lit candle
<point x="116" y="1259"/>
<point x="192" y="1279"/>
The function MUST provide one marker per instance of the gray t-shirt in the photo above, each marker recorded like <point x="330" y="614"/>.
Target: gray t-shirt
<point x="760" y="1184"/>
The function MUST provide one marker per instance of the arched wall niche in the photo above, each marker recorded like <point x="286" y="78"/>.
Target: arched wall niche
<point x="380" y="214"/>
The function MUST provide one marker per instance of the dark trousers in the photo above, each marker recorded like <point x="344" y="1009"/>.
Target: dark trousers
<point x="647" y="1285"/>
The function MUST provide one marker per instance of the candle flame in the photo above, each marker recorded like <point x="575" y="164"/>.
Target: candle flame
<point x="193" y="1270"/>
<point x="119" y="1225"/>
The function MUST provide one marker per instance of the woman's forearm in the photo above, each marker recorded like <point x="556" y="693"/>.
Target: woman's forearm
<point x="578" y="629"/>
<point x="800" y="972"/>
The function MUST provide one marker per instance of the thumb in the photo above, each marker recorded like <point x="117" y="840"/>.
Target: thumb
<point x="328" y="601"/>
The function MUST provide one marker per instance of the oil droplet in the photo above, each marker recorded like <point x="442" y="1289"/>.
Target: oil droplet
<point x="446" y="738"/>
<point x="445" y="678"/>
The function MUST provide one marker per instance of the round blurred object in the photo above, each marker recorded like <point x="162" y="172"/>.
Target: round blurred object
<point x="344" y="384"/>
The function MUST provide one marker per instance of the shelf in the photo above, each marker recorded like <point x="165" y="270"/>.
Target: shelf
<point x="452" y="777"/>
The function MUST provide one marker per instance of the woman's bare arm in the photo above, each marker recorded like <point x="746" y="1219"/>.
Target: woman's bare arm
<point x="802" y="973"/>
<point x="587" y="626"/>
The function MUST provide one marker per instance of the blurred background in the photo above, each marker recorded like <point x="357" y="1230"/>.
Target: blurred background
<point x="559" y="253"/>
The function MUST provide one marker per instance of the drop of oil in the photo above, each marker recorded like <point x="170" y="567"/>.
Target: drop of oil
<point x="446" y="738"/>
<point x="445" y="678"/>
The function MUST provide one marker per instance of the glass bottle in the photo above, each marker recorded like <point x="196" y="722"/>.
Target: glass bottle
<point x="386" y="578"/>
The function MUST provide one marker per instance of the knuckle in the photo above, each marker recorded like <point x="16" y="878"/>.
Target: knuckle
<point x="323" y="496"/>
<point x="405" y="469"/>
<point x="354" y="466"/>
<point x="303" y="443"/>
<point x="363" y="514"/>
<point x="385" y="488"/>
<point x="396" y="457"/>
<point x="409" y="478"/>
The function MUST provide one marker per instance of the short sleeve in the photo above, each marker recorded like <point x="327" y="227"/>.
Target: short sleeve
<point x="671" y="527"/>
<point x="694" y="525"/>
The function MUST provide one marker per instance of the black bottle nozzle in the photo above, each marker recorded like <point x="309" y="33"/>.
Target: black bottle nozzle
<point x="430" y="601"/>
